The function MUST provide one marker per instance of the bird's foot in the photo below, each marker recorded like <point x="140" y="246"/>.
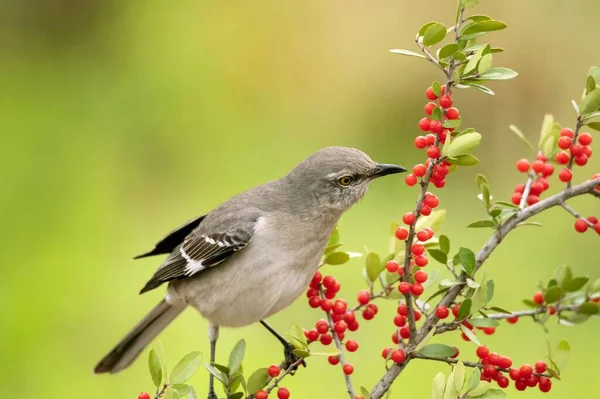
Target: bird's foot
<point x="291" y="358"/>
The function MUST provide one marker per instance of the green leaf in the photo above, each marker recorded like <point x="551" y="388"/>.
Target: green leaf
<point x="463" y="145"/>
<point x="459" y="375"/>
<point x="575" y="284"/>
<point x="594" y="125"/>
<point x="237" y="356"/>
<point x="497" y="73"/>
<point x="479" y="18"/>
<point x="465" y="160"/>
<point x="434" y="275"/>
<point x="589" y="308"/>
<point x="473" y="62"/>
<point x="445" y="244"/>
<point x="182" y="389"/>
<point x="468" y="3"/>
<point x="449" y="283"/>
<point x="433" y="221"/>
<point x="595" y="286"/>
<point x="590" y="103"/>
<point x="479" y="299"/>
<point x="218" y="374"/>
<point x="438" y="255"/>
<point x="499" y="310"/>
<point x="452" y="124"/>
<point x="553" y="294"/>
<point x="331" y="249"/>
<point x="549" y="135"/>
<point x="530" y="303"/>
<point x="480" y="389"/>
<point x="590" y="84"/>
<point x="365" y="392"/>
<point x="465" y="309"/>
<point x="437" y="293"/>
<point x="257" y="380"/>
<point x="406" y="52"/>
<point x="467" y="259"/>
<point x="334" y="238"/>
<point x="437" y="350"/>
<point x="562" y="353"/>
<point x="337" y="258"/>
<point x="484" y="26"/>
<point x="437" y="386"/>
<point x="470" y="334"/>
<point x="424" y="28"/>
<point x="448" y="50"/>
<point x="483" y="223"/>
<point x="594" y="72"/>
<point x="485" y="63"/>
<point x="437" y="88"/>
<point x="490" y="290"/>
<point x="473" y="284"/>
<point x="563" y="275"/>
<point x="425" y="340"/>
<point x="474" y="379"/>
<point x="297" y="337"/>
<point x="520" y="135"/>
<point x="434" y="34"/>
<point x="170" y="393"/>
<point x="237" y="395"/>
<point x="155" y="368"/>
<point x="481" y="88"/>
<point x="373" y="265"/>
<point x="302" y="353"/>
<point x="450" y="392"/>
<point x="186" y="368"/>
<point x="484" y="322"/>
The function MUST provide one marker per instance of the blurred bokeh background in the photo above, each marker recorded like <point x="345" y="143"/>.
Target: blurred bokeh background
<point x="121" y="120"/>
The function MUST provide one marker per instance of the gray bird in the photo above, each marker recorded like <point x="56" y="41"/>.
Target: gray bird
<point x="254" y="254"/>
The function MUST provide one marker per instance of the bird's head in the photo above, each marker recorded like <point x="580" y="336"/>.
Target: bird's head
<point x="337" y="177"/>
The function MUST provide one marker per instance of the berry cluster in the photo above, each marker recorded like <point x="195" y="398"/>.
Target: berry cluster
<point x="438" y="134"/>
<point x="542" y="169"/>
<point x="282" y="393"/>
<point x="525" y="376"/>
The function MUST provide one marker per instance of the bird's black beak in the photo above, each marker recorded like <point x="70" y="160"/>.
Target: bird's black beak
<point x="383" y="169"/>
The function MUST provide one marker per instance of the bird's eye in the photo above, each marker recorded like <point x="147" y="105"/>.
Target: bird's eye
<point x="345" y="180"/>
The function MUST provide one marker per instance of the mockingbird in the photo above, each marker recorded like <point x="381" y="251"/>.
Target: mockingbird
<point x="254" y="254"/>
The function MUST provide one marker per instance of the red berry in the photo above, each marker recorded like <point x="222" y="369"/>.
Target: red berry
<point x="340" y="327"/>
<point x="420" y="276"/>
<point x="562" y="158"/>
<point x="597" y="227"/>
<point x="433" y="152"/>
<point x="432" y="200"/>
<point x="144" y="395"/>
<point x="523" y="165"/>
<point x="503" y="382"/>
<point x="551" y="310"/>
<point x="417" y="315"/>
<point x="399" y="320"/>
<point x="417" y="249"/>
<point x="489" y="330"/>
<point x="333" y="360"/>
<point x="514" y="374"/>
<point x="531" y="381"/>
<point x="314" y="302"/>
<point x="326" y="305"/>
<point x="329" y="282"/>
<point x="581" y="226"/>
<point x="351" y="345"/>
<point x="516" y="198"/>
<point x="402" y="233"/>
<point x="585" y="139"/>
<point x="455" y="310"/>
<point x="581" y="160"/>
<point x="547" y="170"/>
<point x="425" y="210"/>
<point x="532" y="199"/>
<point x="482" y="352"/>
<point x="512" y="320"/>
<point x="398" y="356"/>
<point x="489" y="370"/>
<point x="322" y="326"/>
<point x="416" y="289"/>
<point x="273" y="371"/>
<point x="373" y="307"/>
<point x="423" y="236"/>
<point x="576" y="150"/>
<point x="456" y="353"/>
<point x="566" y="132"/>
<point x="442" y="312"/>
<point x="537" y="166"/>
<point x="525" y="371"/>
<point x="565" y="175"/>
<point x="410" y="180"/>
<point x="349" y="317"/>
<point x="368" y="314"/>
<point x="452" y="113"/>
<point x="545" y="384"/>
<point x="409" y="218"/>
<point x="564" y="143"/>
<point x="504" y="362"/>
<point x="439" y="183"/>
<point x="392" y="266"/>
<point x="521" y="385"/>
<point x="261" y="394"/>
<point x="540" y="366"/>
<point x="421" y="260"/>
<point x="283" y="393"/>
<point x="430" y="107"/>
<point x="425" y="124"/>
<point x="364" y="297"/>
<point x="348" y="369"/>
<point x="404" y="288"/>
<point x="419" y="170"/>
<point x="326" y="339"/>
<point x="312" y="335"/>
<point x="430" y="139"/>
<point x="420" y="142"/>
<point x="405" y="332"/>
<point x="339" y="307"/>
<point x="403" y="309"/>
<point x="429" y="93"/>
<point x="446" y="101"/>
<point x="386" y="352"/>
<point x="493" y="359"/>
<point x="538" y="297"/>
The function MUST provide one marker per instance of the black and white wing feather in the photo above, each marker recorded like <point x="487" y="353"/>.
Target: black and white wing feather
<point x="196" y="253"/>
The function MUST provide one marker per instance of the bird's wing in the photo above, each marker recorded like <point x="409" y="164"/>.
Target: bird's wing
<point x="173" y="239"/>
<point x="200" y="250"/>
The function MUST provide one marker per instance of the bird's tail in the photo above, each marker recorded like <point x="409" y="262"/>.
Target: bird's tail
<point x="145" y="331"/>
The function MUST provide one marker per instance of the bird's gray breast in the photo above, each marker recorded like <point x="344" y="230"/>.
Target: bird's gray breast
<point x="263" y="278"/>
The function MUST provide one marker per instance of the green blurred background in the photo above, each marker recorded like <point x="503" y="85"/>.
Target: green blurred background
<point x="121" y="120"/>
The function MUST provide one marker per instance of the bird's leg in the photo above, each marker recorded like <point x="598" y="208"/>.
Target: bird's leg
<point x="213" y="335"/>
<point x="288" y="348"/>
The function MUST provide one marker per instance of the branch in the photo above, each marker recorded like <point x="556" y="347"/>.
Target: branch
<point x="528" y="184"/>
<point x="575" y="214"/>
<point x="584" y="188"/>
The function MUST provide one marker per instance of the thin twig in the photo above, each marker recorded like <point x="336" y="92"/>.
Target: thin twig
<point x="575" y="214"/>
<point x="527" y="190"/>
<point x="340" y="348"/>
<point x="275" y="382"/>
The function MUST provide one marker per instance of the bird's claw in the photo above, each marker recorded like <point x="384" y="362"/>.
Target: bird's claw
<point x="291" y="358"/>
